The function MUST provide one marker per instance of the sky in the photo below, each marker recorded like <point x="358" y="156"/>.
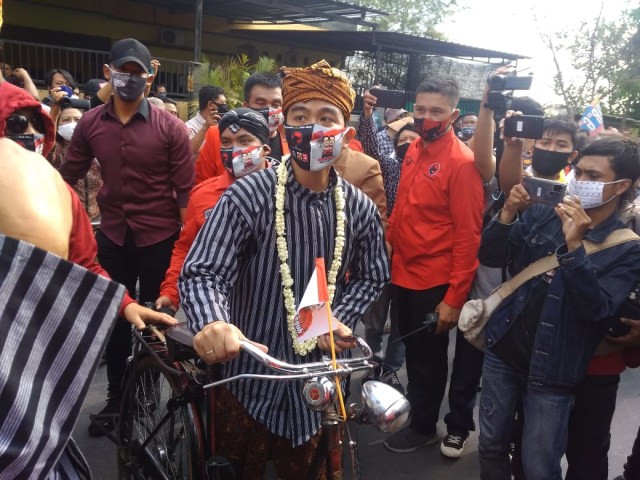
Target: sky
<point x="509" y="26"/>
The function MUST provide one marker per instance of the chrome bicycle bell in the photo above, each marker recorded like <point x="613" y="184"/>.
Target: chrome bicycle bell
<point x="388" y="410"/>
<point x="319" y="393"/>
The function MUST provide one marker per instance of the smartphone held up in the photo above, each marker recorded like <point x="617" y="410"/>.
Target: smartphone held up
<point x="544" y="191"/>
<point x="388" y="98"/>
<point x="524" y="126"/>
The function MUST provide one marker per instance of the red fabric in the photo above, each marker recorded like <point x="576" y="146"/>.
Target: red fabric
<point x="437" y="220"/>
<point x="203" y="197"/>
<point x="610" y="364"/>
<point x="13" y="98"/>
<point x="209" y="162"/>
<point x="83" y="249"/>
<point x="355" y="144"/>
<point x="283" y="143"/>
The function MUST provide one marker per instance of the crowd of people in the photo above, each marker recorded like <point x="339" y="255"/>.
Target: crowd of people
<point x="224" y="215"/>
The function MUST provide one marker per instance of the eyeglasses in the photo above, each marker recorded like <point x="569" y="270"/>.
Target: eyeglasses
<point x="17" y="123"/>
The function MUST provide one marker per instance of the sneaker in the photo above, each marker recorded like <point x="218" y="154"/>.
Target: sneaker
<point x="453" y="445"/>
<point x="106" y="419"/>
<point x="372" y="374"/>
<point x="409" y="440"/>
<point x="391" y="378"/>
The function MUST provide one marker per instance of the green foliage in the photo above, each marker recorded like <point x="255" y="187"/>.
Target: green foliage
<point x="606" y="55"/>
<point x="405" y="16"/>
<point x="411" y="16"/>
<point x="230" y="75"/>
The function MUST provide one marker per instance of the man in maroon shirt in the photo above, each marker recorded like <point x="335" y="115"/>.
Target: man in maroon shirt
<point x="147" y="171"/>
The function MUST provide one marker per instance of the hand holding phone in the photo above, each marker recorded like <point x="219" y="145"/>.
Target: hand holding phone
<point x="388" y="98"/>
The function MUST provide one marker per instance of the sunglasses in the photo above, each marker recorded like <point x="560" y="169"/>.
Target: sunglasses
<point x="17" y="123"/>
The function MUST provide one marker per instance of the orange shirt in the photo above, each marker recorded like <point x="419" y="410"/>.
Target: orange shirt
<point x="209" y="162"/>
<point x="437" y="220"/>
<point x="204" y="196"/>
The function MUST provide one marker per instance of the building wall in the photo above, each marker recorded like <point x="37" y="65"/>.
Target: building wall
<point x="110" y="20"/>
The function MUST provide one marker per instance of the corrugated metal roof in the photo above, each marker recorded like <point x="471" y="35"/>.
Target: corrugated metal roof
<point x="277" y="11"/>
<point x="341" y="41"/>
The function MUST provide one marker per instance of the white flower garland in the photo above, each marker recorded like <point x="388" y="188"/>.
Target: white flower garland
<point x="303" y="348"/>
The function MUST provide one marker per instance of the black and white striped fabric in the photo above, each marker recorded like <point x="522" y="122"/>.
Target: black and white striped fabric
<point x="55" y="318"/>
<point x="232" y="273"/>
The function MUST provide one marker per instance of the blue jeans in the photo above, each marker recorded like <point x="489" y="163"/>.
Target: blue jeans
<point x="546" y="420"/>
<point x="374" y="320"/>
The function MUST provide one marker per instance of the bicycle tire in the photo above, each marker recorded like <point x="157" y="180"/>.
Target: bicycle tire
<point x="176" y="450"/>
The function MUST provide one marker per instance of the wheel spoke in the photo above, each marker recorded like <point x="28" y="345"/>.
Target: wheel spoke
<point x="155" y="441"/>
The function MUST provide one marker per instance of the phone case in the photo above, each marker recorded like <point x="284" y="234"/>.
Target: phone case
<point x="544" y="191"/>
<point x="389" y="98"/>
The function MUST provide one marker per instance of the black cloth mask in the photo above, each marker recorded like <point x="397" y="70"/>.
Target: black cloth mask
<point x="548" y="162"/>
<point x="401" y="150"/>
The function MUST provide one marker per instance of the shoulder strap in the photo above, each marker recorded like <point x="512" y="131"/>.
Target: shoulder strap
<point x="550" y="262"/>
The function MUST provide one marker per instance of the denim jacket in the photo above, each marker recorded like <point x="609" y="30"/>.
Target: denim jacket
<point x="584" y="295"/>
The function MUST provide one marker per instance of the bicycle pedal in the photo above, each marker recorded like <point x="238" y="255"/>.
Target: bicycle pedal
<point x="219" y="468"/>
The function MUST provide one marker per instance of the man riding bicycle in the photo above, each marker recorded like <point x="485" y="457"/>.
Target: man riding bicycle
<point x="250" y="265"/>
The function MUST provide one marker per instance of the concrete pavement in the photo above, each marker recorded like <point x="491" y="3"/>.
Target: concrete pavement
<point x="378" y="463"/>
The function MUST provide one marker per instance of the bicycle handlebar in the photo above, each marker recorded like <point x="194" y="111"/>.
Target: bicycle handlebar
<point x="289" y="371"/>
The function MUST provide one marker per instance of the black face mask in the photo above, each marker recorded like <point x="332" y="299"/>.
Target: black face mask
<point x="401" y="150"/>
<point x="548" y="162"/>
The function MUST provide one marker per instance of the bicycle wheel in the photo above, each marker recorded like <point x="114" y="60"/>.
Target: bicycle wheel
<point x="160" y="431"/>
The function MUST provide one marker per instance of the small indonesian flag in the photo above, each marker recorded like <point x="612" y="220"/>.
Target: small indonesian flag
<point x="311" y="317"/>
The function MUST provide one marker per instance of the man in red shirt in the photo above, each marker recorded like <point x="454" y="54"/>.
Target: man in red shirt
<point x="262" y="93"/>
<point x="435" y="234"/>
<point x="147" y="171"/>
<point x="244" y="139"/>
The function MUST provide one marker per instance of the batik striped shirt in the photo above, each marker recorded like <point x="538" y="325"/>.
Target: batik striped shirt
<point x="55" y="319"/>
<point x="232" y="273"/>
<point x="379" y="145"/>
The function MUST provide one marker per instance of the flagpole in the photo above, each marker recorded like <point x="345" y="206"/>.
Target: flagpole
<point x="343" y="410"/>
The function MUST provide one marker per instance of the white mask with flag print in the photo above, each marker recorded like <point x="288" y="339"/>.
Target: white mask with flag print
<point x="273" y="116"/>
<point x="315" y="147"/>
<point x="241" y="161"/>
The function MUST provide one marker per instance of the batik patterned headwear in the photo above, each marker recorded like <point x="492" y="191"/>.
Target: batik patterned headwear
<point x="248" y="119"/>
<point x="318" y="82"/>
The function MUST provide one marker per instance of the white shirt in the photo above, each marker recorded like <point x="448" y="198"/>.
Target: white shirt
<point x="194" y="124"/>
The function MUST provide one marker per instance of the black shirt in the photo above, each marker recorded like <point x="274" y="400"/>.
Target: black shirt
<point x="516" y="347"/>
<point x="276" y="147"/>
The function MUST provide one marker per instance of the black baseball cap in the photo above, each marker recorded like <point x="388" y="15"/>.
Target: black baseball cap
<point x="130" y="50"/>
<point x="92" y="87"/>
